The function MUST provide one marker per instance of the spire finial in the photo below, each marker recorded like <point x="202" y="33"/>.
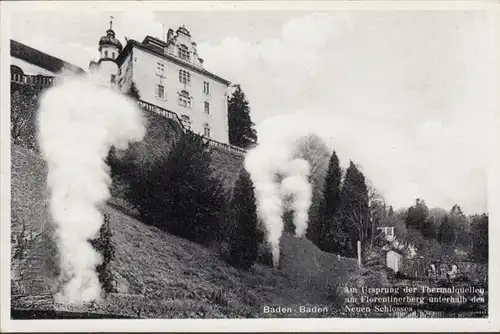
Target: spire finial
<point x="111" y="22"/>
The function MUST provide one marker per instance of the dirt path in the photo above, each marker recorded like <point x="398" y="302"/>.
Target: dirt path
<point x="317" y="274"/>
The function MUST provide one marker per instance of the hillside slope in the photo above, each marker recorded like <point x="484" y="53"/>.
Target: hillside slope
<point x="164" y="276"/>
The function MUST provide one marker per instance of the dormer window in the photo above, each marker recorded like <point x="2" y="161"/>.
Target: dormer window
<point x="185" y="99"/>
<point x="183" y="52"/>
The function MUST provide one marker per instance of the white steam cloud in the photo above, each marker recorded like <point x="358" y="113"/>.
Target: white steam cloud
<point x="280" y="179"/>
<point x="79" y="121"/>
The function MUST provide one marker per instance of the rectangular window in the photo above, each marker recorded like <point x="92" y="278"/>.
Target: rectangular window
<point x="113" y="78"/>
<point x="184" y="77"/>
<point x="113" y="55"/>
<point x="160" y="69"/>
<point x="207" y="108"/>
<point x="206" y="131"/>
<point x="160" y="91"/>
<point x="206" y="87"/>
<point x="106" y="54"/>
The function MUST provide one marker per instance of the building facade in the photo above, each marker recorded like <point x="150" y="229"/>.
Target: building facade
<point x="168" y="74"/>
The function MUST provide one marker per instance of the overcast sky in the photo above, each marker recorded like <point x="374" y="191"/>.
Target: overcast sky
<point x="406" y="95"/>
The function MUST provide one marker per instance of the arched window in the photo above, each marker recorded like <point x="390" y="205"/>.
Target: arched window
<point x="183" y="52"/>
<point x="185" y="99"/>
<point x="206" y="130"/>
<point x="186" y="121"/>
<point x="184" y="77"/>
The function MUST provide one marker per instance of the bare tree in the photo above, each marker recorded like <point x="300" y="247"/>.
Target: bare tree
<point x="377" y="205"/>
<point x="314" y="150"/>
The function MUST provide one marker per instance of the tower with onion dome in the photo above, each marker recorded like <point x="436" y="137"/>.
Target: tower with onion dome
<point x="106" y="67"/>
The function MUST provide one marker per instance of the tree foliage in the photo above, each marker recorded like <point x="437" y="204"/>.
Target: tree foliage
<point x="332" y="235"/>
<point x="480" y="237"/>
<point x="315" y="151"/>
<point x="391" y="211"/>
<point x="23" y="114"/>
<point x="355" y="213"/>
<point x="133" y="92"/>
<point x="417" y="215"/>
<point x="447" y="232"/>
<point x="241" y="128"/>
<point x="104" y="245"/>
<point x="178" y="193"/>
<point x="463" y="228"/>
<point x="244" y="236"/>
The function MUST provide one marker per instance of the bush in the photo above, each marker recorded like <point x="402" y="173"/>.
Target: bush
<point x="178" y="193"/>
<point x="104" y="245"/>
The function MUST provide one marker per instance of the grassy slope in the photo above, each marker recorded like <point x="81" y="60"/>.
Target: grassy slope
<point x="180" y="278"/>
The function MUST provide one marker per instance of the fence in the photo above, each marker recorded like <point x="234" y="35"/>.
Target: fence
<point x="32" y="80"/>
<point x="173" y="116"/>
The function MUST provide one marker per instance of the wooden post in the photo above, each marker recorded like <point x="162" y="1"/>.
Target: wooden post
<point x="359" y="254"/>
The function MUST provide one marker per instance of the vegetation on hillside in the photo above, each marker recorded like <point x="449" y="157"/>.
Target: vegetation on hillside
<point x="106" y="248"/>
<point x="243" y="236"/>
<point x="333" y="237"/>
<point x="355" y="212"/>
<point x="24" y="104"/>
<point x="178" y="192"/>
<point x="159" y="275"/>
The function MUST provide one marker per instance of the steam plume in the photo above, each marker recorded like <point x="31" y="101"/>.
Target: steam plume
<point x="78" y="123"/>
<point x="280" y="180"/>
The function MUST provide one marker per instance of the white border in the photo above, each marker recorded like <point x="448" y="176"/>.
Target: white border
<point x="371" y="325"/>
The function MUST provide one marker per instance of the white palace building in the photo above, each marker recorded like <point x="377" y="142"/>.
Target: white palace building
<point x="170" y="75"/>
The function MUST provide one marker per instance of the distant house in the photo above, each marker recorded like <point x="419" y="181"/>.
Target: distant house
<point x="394" y="259"/>
<point x="388" y="232"/>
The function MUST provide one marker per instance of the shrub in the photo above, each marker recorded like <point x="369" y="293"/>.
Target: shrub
<point x="177" y="191"/>
<point x="104" y="245"/>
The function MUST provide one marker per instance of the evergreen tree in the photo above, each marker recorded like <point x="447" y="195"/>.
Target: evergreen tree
<point x="355" y="208"/>
<point x="244" y="237"/>
<point x="133" y="92"/>
<point x="429" y="229"/>
<point x="391" y="211"/>
<point x="332" y="236"/>
<point x="447" y="232"/>
<point x="480" y="238"/>
<point x="178" y="193"/>
<point x="417" y="215"/>
<point x="104" y="245"/>
<point x="241" y="128"/>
